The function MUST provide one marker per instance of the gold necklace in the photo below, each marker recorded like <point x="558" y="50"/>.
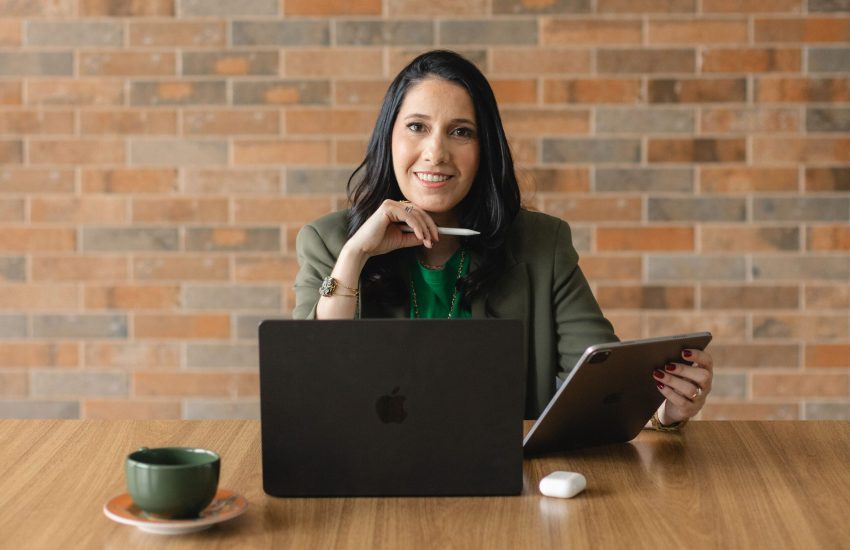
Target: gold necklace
<point x="454" y="296"/>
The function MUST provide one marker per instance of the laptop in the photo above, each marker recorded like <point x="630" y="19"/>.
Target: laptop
<point x="380" y="407"/>
<point x="609" y="395"/>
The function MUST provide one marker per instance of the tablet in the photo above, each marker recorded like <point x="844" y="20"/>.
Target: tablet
<point x="610" y="394"/>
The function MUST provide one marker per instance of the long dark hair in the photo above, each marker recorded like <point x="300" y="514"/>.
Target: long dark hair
<point x="493" y="200"/>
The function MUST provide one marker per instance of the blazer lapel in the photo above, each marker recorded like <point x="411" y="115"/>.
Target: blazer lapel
<point x="508" y="297"/>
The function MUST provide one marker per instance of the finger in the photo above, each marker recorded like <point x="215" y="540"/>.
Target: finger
<point x="675" y="398"/>
<point x="699" y="376"/>
<point x="699" y="357"/>
<point x="686" y="388"/>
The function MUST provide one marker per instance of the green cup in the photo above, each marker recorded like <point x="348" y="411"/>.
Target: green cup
<point x="176" y="482"/>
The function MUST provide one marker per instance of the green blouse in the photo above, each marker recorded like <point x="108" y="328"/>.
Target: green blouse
<point x="434" y="289"/>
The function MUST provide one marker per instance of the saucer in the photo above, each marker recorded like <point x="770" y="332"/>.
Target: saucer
<point x="226" y="505"/>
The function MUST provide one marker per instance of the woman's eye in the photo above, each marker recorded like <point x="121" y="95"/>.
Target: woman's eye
<point x="464" y="132"/>
<point x="416" y="127"/>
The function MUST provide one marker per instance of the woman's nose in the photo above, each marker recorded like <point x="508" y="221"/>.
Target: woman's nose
<point x="435" y="149"/>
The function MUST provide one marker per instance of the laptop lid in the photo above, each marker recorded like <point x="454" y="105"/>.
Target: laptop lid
<point x="392" y="407"/>
<point x="609" y="395"/>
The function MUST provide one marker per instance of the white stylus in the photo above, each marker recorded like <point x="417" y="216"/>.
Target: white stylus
<point x="457" y="231"/>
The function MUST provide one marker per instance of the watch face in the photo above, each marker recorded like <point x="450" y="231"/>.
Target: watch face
<point x="328" y="286"/>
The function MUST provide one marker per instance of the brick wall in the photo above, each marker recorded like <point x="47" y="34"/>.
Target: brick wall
<point x="157" y="158"/>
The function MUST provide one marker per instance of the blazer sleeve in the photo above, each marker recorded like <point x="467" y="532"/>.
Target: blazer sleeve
<point x="579" y="321"/>
<point x="315" y="262"/>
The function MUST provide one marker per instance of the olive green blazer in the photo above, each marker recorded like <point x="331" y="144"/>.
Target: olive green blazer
<point x="542" y="285"/>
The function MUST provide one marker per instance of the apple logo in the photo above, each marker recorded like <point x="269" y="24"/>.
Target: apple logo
<point x="391" y="407"/>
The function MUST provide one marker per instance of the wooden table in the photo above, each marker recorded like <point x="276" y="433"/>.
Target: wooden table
<point x="717" y="485"/>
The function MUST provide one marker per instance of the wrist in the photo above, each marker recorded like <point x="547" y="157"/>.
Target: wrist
<point x="352" y="255"/>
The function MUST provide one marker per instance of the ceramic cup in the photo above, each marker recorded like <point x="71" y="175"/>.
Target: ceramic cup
<point x="177" y="482"/>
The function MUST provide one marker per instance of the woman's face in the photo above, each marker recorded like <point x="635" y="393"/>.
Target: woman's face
<point x="435" y="147"/>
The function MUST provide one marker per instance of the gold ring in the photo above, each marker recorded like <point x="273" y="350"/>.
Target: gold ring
<point x="408" y="209"/>
<point x="696" y="393"/>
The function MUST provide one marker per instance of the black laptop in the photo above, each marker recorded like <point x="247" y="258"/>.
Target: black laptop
<point x="392" y="407"/>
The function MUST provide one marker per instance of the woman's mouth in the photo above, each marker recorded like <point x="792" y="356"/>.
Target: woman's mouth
<point x="430" y="179"/>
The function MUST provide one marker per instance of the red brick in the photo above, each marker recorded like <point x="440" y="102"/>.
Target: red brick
<point x="11" y="151"/>
<point x="542" y="122"/>
<point x="806" y="327"/>
<point x="85" y="210"/>
<point x="706" y="31"/>
<point x="801" y="149"/>
<point x="749" y="297"/>
<point x="14" y="384"/>
<point x="76" y="152"/>
<point x="12" y="210"/>
<point x="330" y="121"/>
<point x="697" y="150"/>
<point x="726" y="326"/>
<point x="611" y="268"/>
<point x="36" y="180"/>
<point x="177" y="33"/>
<point x="149" y="122"/>
<point x="751" y="6"/>
<point x="41" y="239"/>
<point x="79" y="268"/>
<point x="539" y="61"/>
<point x="444" y="8"/>
<point x="514" y="91"/>
<point x="747" y="179"/>
<point x="801" y="385"/>
<point x="638" y="238"/>
<point x="39" y="354"/>
<point x="33" y="297"/>
<point x="201" y="122"/>
<point x="828" y="297"/>
<point x="180" y="210"/>
<point x="827" y="238"/>
<point x="749" y="120"/>
<point x="349" y="151"/>
<point x="10" y="93"/>
<point x="129" y="180"/>
<point x="229" y="181"/>
<point x="802" y="90"/>
<point x="131" y="355"/>
<point x="809" y="29"/>
<point x="169" y="268"/>
<point x="567" y="32"/>
<point x="101" y="409"/>
<point x="342" y="62"/>
<point x="125" y="8"/>
<point x="10" y="32"/>
<point x="124" y="63"/>
<point x="595" y="209"/>
<point x="266" y="269"/>
<point x="827" y="179"/>
<point x="603" y="90"/>
<point x="288" y="151"/>
<point x="36" y="122"/>
<point x="751" y="60"/>
<point x="186" y="384"/>
<point x="182" y="326"/>
<point x="554" y="180"/>
<point x="282" y="210"/>
<point x="714" y="90"/>
<point x="827" y="355"/>
<point x="645" y="297"/>
<point x="646" y="6"/>
<point x="332" y="7"/>
<point x="132" y="297"/>
<point x="88" y="91"/>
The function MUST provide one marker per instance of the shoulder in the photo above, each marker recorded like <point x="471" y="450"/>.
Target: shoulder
<point x="331" y="230"/>
<point x="535" y="237"/>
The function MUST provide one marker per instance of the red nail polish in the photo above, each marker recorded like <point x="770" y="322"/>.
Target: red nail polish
<point x="687" y="353"/>
<point x="670" y="367"/>
<point x="660" y="385"/>
<point x="658" y="374"/>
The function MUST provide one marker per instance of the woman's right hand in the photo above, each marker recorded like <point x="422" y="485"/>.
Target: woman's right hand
<point x="381" y="233"/>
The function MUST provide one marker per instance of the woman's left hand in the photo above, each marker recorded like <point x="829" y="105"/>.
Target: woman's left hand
<point x="684" y="385"/>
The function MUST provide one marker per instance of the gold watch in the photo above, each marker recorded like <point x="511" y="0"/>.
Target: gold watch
<point x="330" y="287"/>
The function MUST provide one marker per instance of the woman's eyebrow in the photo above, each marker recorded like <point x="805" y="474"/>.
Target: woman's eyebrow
<point x="453" y="121"/>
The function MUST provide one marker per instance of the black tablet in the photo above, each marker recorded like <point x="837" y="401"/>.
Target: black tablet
<point x="610" y="394"/>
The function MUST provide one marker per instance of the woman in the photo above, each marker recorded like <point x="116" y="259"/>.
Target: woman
<point x="438" y="157"/>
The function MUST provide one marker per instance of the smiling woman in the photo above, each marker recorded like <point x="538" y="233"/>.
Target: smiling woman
<point x="439" y="157"/>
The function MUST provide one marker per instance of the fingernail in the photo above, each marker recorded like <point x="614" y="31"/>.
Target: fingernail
<point x="687" y="353"/>
<point x="670" y="367"/>
<point x="658" y="374"/>
<point x="660" y="385"/>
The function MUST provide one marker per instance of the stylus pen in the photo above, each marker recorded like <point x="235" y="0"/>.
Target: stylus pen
<point x="457" y="231"/>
